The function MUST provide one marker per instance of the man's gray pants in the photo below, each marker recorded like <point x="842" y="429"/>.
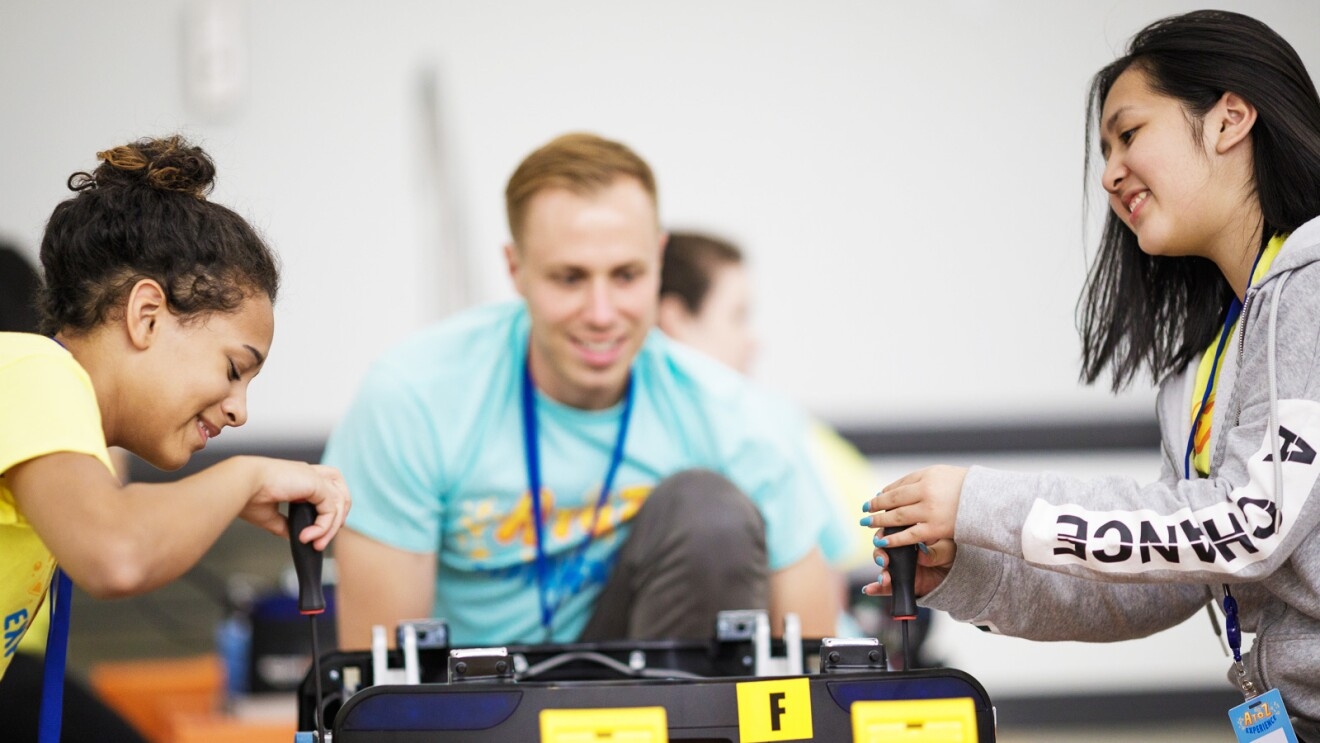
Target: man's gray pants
<point x="697" y="548"/>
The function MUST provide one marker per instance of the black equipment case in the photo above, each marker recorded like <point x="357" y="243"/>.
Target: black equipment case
<point x="734" y="689"/>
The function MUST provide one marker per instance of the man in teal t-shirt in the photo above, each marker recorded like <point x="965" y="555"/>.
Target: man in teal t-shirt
<point x="666" y="489"/>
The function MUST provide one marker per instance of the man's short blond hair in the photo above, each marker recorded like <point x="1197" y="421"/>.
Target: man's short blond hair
<point x="579" y="162"/>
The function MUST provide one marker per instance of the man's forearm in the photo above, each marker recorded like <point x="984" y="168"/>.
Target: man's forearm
<point x="811" y="589"/>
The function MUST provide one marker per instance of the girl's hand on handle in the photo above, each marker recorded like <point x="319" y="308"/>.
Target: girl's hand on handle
<point x="279" y="481"/>
<point x="932" y="566"/>
<point x="925" y="501"/>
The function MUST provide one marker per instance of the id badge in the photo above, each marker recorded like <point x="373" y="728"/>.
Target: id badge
<point x="1263" y="720"/>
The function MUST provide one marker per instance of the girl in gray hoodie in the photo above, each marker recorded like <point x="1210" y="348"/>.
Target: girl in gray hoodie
<point x="1208" y="277"/>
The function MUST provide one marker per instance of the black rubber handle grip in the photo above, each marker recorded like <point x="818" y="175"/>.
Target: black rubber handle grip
<point x="306" y="560"/>
<point x="903" y="572"/>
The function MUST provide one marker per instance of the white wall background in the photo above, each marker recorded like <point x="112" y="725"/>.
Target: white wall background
<point x="906" y="176"/>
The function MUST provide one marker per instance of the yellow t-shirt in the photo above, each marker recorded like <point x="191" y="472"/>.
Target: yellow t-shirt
<point x="47" y="405"/>
<point x="1201" y="444"/>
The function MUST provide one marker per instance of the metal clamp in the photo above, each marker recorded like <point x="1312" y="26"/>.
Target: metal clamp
<point x="735" y="625"/>
<point x="431" y="634"/>
<point x="480" y="664"/>
<point x="844" y="654"/>
<point x="754" y="625"/>
<point x="410" y="635"/>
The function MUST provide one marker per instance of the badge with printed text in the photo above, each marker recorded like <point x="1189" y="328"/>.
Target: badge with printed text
<point x="1262" y="720"/>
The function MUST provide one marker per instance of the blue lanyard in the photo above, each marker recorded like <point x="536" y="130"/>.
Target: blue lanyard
<point x="531" y="449"/>
<point x="57" y="644"/>
<point x="60" y="595"/>
<point x="1231" y="625"/>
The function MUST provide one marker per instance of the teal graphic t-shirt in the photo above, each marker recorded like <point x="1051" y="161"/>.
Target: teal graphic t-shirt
<point x="432" y="450"/>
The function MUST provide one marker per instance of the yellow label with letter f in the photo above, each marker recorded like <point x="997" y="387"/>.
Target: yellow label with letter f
<point x="774" y="710"/>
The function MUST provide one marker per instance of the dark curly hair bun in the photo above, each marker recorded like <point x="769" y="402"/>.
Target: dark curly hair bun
<point x="168" y="164"/>
<point x="143" y="214"/>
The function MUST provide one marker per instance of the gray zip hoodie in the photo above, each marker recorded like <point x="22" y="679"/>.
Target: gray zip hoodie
<point x="1110" y="559"/>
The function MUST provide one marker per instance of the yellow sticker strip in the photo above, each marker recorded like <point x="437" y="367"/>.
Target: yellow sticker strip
<point x="774" y="710"/>
<point x="607" y="725"/>
<point x="915" y="721"/>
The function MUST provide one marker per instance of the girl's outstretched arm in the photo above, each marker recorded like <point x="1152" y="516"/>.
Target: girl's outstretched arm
<point x="118" y="540"/>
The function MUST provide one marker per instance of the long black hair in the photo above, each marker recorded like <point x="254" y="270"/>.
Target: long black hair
<point x="143" y="213"/>
<point x="1157" y="312"/>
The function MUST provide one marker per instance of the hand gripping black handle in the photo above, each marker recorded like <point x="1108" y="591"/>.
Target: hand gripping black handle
<point x="306" y="560"/>
<point x="903" y="573"/>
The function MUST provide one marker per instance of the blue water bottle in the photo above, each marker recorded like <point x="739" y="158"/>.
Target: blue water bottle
<point x="233" y="641"/>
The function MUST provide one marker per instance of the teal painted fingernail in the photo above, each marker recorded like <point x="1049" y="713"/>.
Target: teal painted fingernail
<point x="866" y="521"/>
<point x="878" y="541"/>
<point x="866" y="507"/>
<point x="880" y="581"/>
<point x="924" y="549"/>
<point x="879" y="561"/>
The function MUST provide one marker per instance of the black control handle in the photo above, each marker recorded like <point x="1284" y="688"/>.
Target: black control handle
<point x="306" y="559"/>
<point x="903" y="572"/>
